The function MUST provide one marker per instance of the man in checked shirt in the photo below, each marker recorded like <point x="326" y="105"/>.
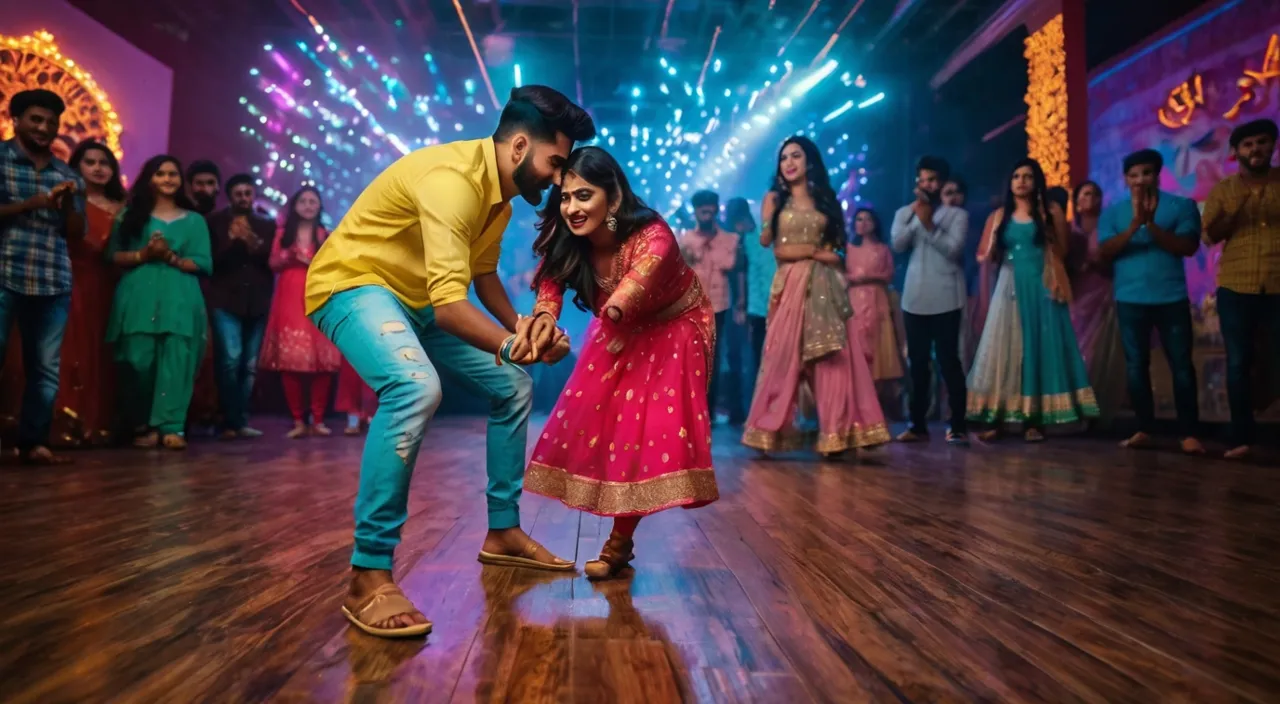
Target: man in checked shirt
<point x="41" y="206"/>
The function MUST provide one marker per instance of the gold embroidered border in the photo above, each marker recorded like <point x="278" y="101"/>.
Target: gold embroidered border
<point x="1066" y="407"/>
<point x="790" y="440"/>
<point x="687" y="487"/>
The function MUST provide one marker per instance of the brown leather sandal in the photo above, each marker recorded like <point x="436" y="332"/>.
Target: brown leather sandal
<point x="385" y="602"/>
<point x="147" y="440"/>
<point x="174" y="441"/>
<point x="526" y="559"/>
<point x="615" y="556"/>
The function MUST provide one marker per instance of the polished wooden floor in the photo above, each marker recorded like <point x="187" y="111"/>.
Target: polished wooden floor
<point x="1066" y="572"/>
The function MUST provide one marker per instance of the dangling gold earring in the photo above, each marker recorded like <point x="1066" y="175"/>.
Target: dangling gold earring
<point x="612" y="223"/>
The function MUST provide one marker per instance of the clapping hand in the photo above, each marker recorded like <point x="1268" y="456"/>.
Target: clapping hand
<point x="61" y="195"/>
<point x="158" y="248"/>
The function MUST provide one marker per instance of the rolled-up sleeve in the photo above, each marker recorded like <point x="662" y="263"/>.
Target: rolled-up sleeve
<point x="449" y="206"/>
<point x="487" y="262"/>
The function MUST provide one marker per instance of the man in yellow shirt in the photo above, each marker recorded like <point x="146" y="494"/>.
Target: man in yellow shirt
<point x="1244" y="211"/>
<point x="389" y="287"/>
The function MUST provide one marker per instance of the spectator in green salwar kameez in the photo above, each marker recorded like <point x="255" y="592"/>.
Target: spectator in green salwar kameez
<point x="158" y="320"/>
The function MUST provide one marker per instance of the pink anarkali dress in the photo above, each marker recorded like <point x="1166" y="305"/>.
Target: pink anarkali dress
<point x="873" y="316"/>
<point x="631" y="435"/>
<point x="811" y="339"/>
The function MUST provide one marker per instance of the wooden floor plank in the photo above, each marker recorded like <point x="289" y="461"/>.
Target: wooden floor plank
<point x="1069" y="571"/>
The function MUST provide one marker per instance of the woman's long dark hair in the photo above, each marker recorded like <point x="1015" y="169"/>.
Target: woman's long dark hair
<point x="114" y="187"/>
<point x="857" y="239"/>
<point x="819" y="182"/>
<point x="566" y="258"/>
<point x="292" y="219"/>
<point x="738" y="210"/>
<point x="1039" y="205"/>
<point x="142" y="200"/>
<point x="1075" y="196"/>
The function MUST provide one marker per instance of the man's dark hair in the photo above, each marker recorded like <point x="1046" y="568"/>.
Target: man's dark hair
<point x="240" y="180"/>
<point x="960" y="184"/>
<point x="936" y="164"/>
<point x="1253" y="129"/>
<point x="20" y="103"/>
<point x="702" y="198"/>
<point x="541" y="112"/>
<point x="1143" y="157"/>
<point x="203" y="166"/>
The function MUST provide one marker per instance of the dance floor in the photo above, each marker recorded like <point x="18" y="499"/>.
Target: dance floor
<point x="1065" y="572"/>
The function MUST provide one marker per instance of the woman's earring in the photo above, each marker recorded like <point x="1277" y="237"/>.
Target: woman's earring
<point x="612" y="223"/>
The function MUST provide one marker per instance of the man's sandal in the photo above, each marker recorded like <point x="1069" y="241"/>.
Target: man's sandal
<point x="385" y="602"/>
<point x="526" y="560"/>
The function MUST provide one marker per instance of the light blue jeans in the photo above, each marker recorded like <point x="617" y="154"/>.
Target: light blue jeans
<point x="397" y="351"/>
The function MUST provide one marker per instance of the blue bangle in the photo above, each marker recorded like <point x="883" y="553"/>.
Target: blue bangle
<point x="505" y="350"/>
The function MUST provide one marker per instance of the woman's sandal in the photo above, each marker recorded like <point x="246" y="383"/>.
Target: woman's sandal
<point x="174" y="441"/>
<point x="385" y="602"/>
<point x="147" y="440"/>
<point x="1033" y="436"/>
<point x="526" y="559"/>
<point x="615" y="556"/>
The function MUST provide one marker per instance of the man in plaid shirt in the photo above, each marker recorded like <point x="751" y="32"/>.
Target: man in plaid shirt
<point x="41" y="206"/>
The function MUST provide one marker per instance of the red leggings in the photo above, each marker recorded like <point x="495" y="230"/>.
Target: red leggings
<point x="293" y="395"/>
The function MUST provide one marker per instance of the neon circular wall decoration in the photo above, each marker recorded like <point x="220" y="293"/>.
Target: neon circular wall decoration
<point x="35" y="61"/>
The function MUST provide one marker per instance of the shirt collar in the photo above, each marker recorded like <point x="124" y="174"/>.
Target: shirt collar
<point x="493" y="181"/>
<point x="20" y="155"/>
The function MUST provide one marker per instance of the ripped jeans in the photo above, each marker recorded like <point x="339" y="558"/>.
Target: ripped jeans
<point x="396" y="351"/>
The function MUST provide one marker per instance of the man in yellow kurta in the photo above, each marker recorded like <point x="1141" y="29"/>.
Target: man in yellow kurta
<point x="389" y="287"/>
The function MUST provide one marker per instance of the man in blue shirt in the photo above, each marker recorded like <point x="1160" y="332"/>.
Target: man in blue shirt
<point x="1146" y="237"/>
<point x="40" y="208"/>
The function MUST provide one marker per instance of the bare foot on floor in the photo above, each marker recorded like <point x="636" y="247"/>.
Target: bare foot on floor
<point x="365" y="585"/>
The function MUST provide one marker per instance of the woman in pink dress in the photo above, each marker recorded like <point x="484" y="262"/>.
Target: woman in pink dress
<point x="810" y="339"/>
<point x="869" y="265"/>
<point x="630" y="434"/>
<point x="292" y="344"/>
<point x="1093" y="308"/>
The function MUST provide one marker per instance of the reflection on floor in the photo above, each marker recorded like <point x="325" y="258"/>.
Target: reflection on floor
<point x="1068" y="571"/>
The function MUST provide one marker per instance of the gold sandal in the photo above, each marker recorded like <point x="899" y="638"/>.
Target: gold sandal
<point x="173" y="441"/>
<point x="385" y="602"/>
<point x="525" y="559"/>
<point x="615" y="556"/>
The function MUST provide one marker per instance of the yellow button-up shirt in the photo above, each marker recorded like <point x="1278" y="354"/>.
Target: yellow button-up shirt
<point x="423" y="229"/>
<point x="1250" y="261"/>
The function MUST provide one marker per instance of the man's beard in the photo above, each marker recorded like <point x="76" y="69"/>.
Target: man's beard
<point x="528" y="184"/>
<point x="1263" y="167"/>
<point x="204" y="202"/>
<point x="708" y="226"/>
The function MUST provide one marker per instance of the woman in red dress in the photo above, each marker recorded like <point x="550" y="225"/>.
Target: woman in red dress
<point x="630" y="434"/>
<point x="86" y="391"/>
<point x="292" y="344"/>
<point x="355" y="399"/>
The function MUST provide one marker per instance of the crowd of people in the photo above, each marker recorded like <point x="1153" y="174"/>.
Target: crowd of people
<point x="127" y="302"/>
<point x="143" y="280"/>
<point x="1042" y="318"/>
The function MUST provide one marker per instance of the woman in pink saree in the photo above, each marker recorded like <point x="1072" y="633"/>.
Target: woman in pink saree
<point x="630" y="434"/>
<point x="810" y="339"/>
<point x="1093" y="310"/>
<point x="869" y="266"/>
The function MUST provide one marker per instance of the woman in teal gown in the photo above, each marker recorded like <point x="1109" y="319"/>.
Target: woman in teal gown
<point x="1028" y="372"/>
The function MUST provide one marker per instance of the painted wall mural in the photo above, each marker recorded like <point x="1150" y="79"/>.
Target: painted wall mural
<point x="1182" y="94"/>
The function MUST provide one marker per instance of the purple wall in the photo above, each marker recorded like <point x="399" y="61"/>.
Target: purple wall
<point x="139" y="87"/>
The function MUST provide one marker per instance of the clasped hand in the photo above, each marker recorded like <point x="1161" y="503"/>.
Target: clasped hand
<point x="539" y="339"/>
<point x="57" y="198"/>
